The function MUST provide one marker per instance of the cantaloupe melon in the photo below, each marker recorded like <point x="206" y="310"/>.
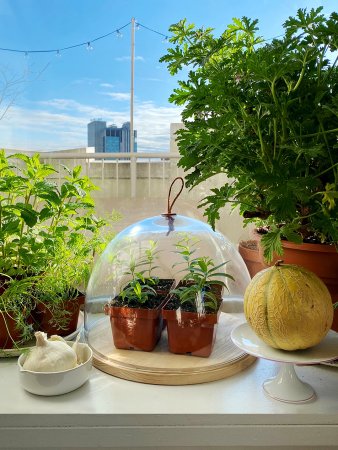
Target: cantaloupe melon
<point x="288" y="307"/>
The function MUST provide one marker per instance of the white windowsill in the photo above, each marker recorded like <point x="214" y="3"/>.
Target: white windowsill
<point x="108" y="412"/>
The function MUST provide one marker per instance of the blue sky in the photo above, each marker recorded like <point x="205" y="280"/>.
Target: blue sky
<point x="57" y="96"/>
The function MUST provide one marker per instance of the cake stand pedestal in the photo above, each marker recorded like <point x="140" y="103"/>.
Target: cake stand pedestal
<point x="286" y="386"/>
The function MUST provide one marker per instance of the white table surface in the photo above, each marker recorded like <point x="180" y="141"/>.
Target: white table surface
<point x="109" y="412"/>
<point x="112" y="413"/>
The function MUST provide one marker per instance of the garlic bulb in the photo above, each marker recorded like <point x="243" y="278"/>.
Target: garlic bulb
<point x="50" y="355"/>
<point x="75" y="345"/>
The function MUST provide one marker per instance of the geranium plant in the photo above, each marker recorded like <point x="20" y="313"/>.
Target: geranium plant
<point x="265" y="113"/>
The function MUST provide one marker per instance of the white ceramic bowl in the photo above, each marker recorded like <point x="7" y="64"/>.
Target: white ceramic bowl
<point x="57" y="383"/>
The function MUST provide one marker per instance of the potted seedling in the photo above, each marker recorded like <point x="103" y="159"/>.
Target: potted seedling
<point x="135" y="313"/>
<point x="15" y="311"/>
<point x="193" y="308"/>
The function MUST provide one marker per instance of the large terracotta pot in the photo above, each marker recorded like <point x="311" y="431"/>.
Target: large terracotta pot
<point x="250" y="252"/>
<point x="44" y="321"/>
<point x="8" y="331"/>
<point x="319" y="258"/>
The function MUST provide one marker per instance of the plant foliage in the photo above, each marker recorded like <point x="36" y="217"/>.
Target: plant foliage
<point x="266" y="115"/>
<point x="201" y="274"/>
<point x="49" y="235"/>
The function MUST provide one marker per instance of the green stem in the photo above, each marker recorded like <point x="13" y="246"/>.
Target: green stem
<point x="18" y="259"/>
<point x="334" y="130"/>
<point x="301" y="74"/>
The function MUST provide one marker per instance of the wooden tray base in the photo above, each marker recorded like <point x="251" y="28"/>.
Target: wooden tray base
<point x="162" y="367"/>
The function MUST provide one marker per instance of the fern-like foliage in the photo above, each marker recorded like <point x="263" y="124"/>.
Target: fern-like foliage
<point x="266" y="115"/>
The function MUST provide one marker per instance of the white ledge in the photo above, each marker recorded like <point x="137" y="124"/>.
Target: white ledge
<point x="112" y="413"/>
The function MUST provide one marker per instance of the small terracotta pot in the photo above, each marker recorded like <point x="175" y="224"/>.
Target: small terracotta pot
<point x="43" y="317"/>
<point x="191" y="332"/>
<point x="135" y="328"/>
<point x="139" y="328"/>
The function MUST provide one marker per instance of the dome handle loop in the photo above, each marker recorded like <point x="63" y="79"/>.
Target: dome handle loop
<point x="170" y="205"/>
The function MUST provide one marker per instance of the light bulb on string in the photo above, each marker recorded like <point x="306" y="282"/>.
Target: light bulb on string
<point x="58" y="54"/>
<point x="26" y="54"/>
<point x="137" y="26"/>
<point x="165" y="40"/>
<point x="119" y="34"/>
<point x="89" y="46"/>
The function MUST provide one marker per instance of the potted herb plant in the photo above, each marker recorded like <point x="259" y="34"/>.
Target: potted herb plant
<point x="135" y="313"/>
<point x="265" y="113"/>
<point x="15" y="311"/>
<point x="36" y="217"/>
<point x="193" y="308"/>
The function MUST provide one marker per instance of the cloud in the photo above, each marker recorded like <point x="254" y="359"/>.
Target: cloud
<point x="106" y="85"/>
<point x="127" y="58"/>
<point x="119" y="96"/>
<point x="62" y="123"/>
<point x="152" y="79"/>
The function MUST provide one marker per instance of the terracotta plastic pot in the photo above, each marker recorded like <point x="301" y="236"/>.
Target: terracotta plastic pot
<point x="135" y="328"/>
<point x="139" y="328"/>
<point x="190" y="333"/>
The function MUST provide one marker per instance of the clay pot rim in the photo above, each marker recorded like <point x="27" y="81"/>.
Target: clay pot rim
<point x="324" y="248"/>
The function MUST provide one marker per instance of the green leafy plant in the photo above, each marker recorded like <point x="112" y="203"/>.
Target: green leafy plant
<point x="35" y="214"/>
<point x="140" y="290"/>
<point x="16" y="304"/>
<point x="48" y="233"/>
<point x="201" y="276"/>
<point x="265" y="113"/>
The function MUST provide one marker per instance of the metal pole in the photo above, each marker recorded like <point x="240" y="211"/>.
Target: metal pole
<point x="132" y="155"/>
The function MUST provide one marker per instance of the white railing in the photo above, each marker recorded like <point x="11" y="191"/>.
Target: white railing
<point x="153" y="171"/>
<point x="143" y="195"/>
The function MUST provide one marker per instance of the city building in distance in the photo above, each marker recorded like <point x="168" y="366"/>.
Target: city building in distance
<point x="110" y="139"/>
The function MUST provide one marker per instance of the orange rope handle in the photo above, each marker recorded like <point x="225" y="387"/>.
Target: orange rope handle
<point x="172" y="203"/>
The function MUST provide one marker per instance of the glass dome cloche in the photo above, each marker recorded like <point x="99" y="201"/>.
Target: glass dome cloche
<point x="161" y="279"/>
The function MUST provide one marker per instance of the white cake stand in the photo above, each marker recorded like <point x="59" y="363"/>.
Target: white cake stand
<point x="286" y="386"/>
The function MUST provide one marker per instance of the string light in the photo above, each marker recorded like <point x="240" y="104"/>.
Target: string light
<point x="152" y="30"/>
<point x="89" y="43"/>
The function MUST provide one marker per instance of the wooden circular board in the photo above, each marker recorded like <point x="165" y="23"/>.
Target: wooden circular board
<point x="162" y="367"/>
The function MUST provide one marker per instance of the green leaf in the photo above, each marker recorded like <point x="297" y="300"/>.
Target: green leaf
<point x="271" y="243"/>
